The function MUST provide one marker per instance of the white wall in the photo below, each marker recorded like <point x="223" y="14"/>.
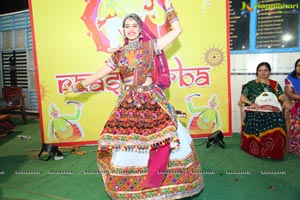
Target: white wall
<point x="243" y="68"/>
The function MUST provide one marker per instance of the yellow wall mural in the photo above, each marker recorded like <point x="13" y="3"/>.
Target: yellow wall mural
<point x="73" y="38"/>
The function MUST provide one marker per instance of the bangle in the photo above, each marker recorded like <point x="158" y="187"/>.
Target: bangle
<point x="171" y="15"/>
<point x="78" y="87"/>
<point x="248" y="102"/>
<point x="171" y="8"/>
<point x="286" y="99"/>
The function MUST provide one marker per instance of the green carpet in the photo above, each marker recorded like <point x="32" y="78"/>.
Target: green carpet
<point x="228" y="173"/>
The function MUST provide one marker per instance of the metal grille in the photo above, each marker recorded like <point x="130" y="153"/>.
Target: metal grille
<point x="14" y="65"/>
<point x="16" y="61"/>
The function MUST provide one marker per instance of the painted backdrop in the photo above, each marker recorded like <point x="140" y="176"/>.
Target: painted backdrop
<point x="73" y="38"/>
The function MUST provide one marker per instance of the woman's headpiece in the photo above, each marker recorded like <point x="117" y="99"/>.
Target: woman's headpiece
<point x="161" y="75"/>
<point x="133" y="16"/>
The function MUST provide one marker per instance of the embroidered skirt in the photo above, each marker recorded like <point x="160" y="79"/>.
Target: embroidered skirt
<point x="144" y="122"/>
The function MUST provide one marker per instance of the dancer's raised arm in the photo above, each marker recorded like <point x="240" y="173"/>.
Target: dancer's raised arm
<point x="175" y="31"/>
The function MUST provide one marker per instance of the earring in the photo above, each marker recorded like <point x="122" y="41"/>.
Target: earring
<point x="124" y="36"/>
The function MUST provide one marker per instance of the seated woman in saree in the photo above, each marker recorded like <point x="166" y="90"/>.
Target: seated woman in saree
<point x="143" y="151"/>
<point x="292" y="90"/>
<point x="263" y="131"/>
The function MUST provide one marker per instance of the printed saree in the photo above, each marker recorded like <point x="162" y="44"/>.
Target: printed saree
<point x="294" y="118"/>
<point x="263" y="133"/>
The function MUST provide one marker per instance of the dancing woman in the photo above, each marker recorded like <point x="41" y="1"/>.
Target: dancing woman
<point x="143" y="150"/>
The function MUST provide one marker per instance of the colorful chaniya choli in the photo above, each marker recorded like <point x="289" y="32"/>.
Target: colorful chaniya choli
<point x="144" y="151"/>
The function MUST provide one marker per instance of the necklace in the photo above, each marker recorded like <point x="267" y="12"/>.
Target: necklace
<point x="133" y="45"/>
<point x="264" y="87"/>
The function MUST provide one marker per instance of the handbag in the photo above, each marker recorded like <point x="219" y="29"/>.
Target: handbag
<point x="216" y="138"/>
